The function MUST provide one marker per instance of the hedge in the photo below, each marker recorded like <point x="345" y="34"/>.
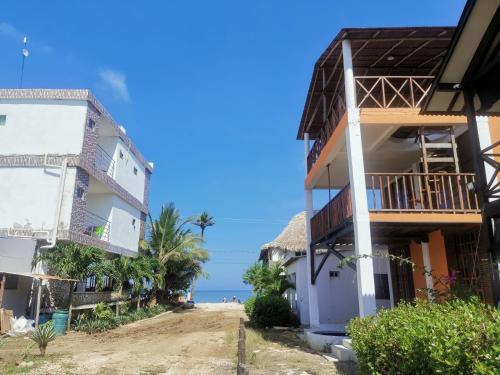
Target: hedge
<point x="453" y="337"/>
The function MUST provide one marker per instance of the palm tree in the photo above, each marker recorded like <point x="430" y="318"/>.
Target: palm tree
<point x="204" y="221"/>
<point x="177" y="249"/>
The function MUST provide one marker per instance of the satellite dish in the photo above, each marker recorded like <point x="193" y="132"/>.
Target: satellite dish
<point x="25" y="52"/>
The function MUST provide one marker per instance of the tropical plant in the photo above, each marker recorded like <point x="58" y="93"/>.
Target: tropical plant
<point x="102" y="311"/>
<point x="43" y="335"/>
<point x="267" y="280"/>
<point x="204" y="220"/>
<point x="177" y="250"/>
<point x="73" y="261"/>
<point x="452" y="337"/>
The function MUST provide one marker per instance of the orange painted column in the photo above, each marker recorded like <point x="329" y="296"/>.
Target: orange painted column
<point x="418" y="273"/>
<point x="439" y="262"/>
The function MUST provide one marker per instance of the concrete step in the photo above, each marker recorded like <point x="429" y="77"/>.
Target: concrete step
<point x="342" y="353"/>
<point x="347" y="343"/>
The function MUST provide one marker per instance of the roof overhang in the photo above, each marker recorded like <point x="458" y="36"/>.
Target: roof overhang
<point x="387" y="51"/>
<point x="472" y="63"/>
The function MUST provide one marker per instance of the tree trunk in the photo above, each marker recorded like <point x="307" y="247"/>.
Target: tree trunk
<point x="138" y="301"/>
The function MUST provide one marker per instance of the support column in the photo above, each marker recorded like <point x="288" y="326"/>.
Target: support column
<point x="312" y="291"/>
<point x="361" y="218"/>
<point x="429" y="283"/>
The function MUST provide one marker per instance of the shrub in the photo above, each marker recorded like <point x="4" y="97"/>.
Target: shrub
<point x="454" y="337"/>
<point x="270" y="310"/>
<point x="43" y="335"/>
<point x="102" y="311"/>
<point x="249" y="305"/>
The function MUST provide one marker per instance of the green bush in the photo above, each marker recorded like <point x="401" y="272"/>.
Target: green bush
<point x="454" y="337"/>
<point x="249" y="305"/>
<point x="269" y="311"/>
<point x="102" y="311"/>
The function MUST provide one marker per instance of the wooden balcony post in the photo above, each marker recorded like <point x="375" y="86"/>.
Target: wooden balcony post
<point x="361" y="218"/>
<point x="313" y="297"/>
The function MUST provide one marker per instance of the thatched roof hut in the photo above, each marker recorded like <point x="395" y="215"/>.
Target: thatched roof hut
<point x="291" y="239"/>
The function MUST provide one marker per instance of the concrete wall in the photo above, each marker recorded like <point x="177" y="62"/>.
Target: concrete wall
<point x="300" y="295"/>
<point x="30" y="196"/>
<point x="16" y="254"/>
<point x="123" y="232"/>
<point x="16" y="299"/>
<point x="42" y="126"/>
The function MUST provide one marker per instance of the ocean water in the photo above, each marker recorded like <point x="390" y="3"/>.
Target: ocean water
<point x="218" y="295"/>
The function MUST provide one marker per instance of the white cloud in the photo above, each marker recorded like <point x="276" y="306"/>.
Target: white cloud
<point x="8" y="30"/>
<point x="114" y="82"/>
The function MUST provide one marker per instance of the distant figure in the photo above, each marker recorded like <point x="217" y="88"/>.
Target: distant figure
<point x="239" y="301"/>
<point x="224" y="300"/>
<point x="234" y="299"/>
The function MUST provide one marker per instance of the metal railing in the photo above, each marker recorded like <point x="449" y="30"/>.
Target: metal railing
<point x="104" y="161"/>
<point x="97" y="226"/>
<point x="373" y="92"/>
<point x="438" y="193"/>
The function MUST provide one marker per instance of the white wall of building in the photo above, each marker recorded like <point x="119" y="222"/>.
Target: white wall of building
<point x="16" y="254"/>
<point x="301" y="303"/>
<point x="42" y="126"/>
<point x="29" y="197"/>
<point x="123" y="232"/>
<point x="124" y="169"/>
<point x="17" y="299"/>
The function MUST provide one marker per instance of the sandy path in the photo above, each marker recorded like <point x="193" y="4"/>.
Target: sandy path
<point x="197" y="341"/>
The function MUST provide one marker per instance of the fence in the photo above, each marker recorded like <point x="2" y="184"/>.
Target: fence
<point x="241" y="369"/>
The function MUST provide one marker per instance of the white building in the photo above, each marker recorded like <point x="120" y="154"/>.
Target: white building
<point x="68" y="172"/>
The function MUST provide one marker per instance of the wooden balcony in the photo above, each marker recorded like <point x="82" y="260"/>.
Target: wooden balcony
<point x="401" y="193"/>
<point x="382" y="92"/>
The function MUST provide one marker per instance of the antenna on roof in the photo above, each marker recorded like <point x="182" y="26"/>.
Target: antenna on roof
<point x="25" y="54"/>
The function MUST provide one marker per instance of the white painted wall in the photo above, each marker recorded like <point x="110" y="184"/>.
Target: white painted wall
<point x="123" y="233"/>
<point x="120" y="214"/>
<point x="299" y="268"/>
<point x="16" y="299"/>
<point x="337" y="296"/>
<point x="42" y="126"/>
<point x="124" y="170"/>
<point x="29" y="195"/>
<point x="16" y="254"/>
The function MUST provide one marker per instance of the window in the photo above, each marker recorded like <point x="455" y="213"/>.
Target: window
<point x="3" y="120"/>
<point x="382" y="286"/>
<point x="80" y="192"/>
<point x="91" y="124"/>
<point x="135" y="171"/>
<point x="133" y="223"/>
<point x="121" y="154"/>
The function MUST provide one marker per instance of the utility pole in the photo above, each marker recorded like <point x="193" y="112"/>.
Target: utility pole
<point x="25" y="54"/>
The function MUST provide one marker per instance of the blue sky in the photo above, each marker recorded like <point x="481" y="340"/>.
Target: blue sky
<point x="210" y="91"/>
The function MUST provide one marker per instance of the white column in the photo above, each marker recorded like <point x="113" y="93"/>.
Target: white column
<point x="484" y="135"/>
<point x="312" y="291"/>
<point x="429" y="283"/>
<point x="361" y="218"/>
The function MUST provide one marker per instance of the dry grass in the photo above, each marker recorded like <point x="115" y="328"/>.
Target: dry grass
<point x="282" y="352"/>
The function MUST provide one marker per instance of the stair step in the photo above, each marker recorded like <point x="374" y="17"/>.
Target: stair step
<point x="347" y="343"/>
<point x="438" y="145"/>
<point x="342" y="353"/>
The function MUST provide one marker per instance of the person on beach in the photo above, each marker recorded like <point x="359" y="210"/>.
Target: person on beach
<point x="224" y="300"/>
<point x="234" y="299"/>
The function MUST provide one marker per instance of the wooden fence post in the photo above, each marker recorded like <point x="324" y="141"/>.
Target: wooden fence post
<point x="241" y="369"/>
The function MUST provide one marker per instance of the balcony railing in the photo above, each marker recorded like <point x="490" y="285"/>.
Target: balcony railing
<point x="420" y="192"/>
<point x="332" y="215"/>
<point x="104" y="161"/>
<point x="438" y="193"/>
<point x="373" y="92"/>
<point x="97" y="226"/>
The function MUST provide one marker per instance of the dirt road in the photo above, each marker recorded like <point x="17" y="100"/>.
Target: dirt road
<point x="197" y="341"/>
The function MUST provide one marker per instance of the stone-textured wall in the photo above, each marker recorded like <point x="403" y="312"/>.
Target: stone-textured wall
<point x="77" y="222"/>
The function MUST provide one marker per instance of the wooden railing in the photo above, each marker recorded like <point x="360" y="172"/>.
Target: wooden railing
<point x="420" y="192"/>
<point x="392" y="91"/>
<point x="401" y="193"/>
<point x="332" y="215"/>
<point x="373" y="92"/>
